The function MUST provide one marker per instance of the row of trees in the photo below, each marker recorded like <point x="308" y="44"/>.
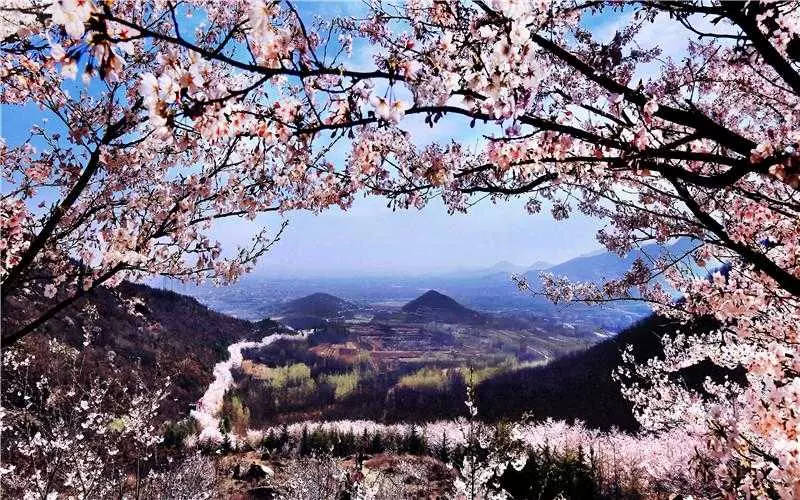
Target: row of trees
<point x="524" y="460"/>
<point x="547" y="473"/>
<point x="180" y="124"/>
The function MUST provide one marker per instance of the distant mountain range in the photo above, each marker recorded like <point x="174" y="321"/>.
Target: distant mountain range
<point x="539" y="264"/>
<point x="489" y="290"/>
<point x="504" y="267"/>
<point x="608" y="265"/>
<point x="592" y="266"/>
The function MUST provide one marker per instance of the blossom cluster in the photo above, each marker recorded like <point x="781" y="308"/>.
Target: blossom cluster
<point x="209" y="406"/>
<point x="650" y="462"/>
<point x="69" y="434"/>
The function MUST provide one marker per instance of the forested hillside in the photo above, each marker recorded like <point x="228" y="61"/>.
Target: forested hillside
<point x="581" y="386"/>
<point x="163" y="333"/>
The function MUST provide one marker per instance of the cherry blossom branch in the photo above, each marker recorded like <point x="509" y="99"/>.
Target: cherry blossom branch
<point x="783" y="277"/>
<point x="41" y="239"/>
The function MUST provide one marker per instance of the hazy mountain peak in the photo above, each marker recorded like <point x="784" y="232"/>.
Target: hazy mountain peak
<point x="318" y="304"/>
<point x="603" y="265"/>
<point x="432" y="298"/>
<point x="436" y="306"/>
<point x="504" y="265"/>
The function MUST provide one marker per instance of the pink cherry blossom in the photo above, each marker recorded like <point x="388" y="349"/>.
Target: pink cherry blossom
<point x="194" y="123"/>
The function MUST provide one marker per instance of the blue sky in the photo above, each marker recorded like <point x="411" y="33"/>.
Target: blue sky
<point x="372" y="239"/>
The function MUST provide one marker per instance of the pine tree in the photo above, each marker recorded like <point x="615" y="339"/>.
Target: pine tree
<point x="225" y="424"/>
<point x="364" y="442"/>
<point x="320" y="441"/>
<point x="281" y="443"/>
<point x="443" y="450"/>
<point x="346" y="445"/>
<point x="284" y="437"/>
<point x="270" y="443"/>
<point x="414" y="443"/>
<point x="226" y="443"/>
<point x="305" y="444"/>
<point x="377" y="445"/>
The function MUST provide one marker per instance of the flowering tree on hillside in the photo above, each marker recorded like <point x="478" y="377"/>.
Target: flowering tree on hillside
<point x="195" y="111"/>
<point x="69" y="432"/>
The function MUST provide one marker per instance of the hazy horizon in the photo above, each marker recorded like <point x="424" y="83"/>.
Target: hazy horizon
<point x="370" y="240"/>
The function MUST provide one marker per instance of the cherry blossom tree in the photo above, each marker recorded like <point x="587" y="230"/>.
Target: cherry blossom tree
<point x="70" y="432"/>
<point x="195" y="111"/>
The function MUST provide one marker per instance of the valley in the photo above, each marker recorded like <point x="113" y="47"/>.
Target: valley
<point x="320" y="382"/>
<point x="408" y="363"/>
<point x="391" y="350"/>
<point x="380" y="250"/>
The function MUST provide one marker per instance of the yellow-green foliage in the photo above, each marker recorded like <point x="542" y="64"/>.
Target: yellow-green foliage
<point x="291" y="384"/>
<point x="343" y="383"/>
<point x="240" y="416"/>
<point x="297" y="394"/>
<point x="431" y="378"/>
<point x="434" y="378"/>
<point x="237" y="413"/>
<point x="296" y="375"/>
<point x="478" y="375"/>
<point x="117" y="425"/>
<point x="438" y="378"/>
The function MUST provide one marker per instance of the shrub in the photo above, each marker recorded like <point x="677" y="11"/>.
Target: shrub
<point x="177" y="432"/>
<point x="235" y="414"/>
<point x="343" y="384"/>
<point x="431" y="378"/>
